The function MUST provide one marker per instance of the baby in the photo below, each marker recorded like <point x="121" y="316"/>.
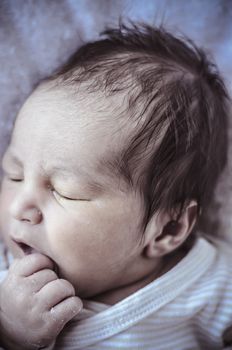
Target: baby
<point x="111" y="162"/>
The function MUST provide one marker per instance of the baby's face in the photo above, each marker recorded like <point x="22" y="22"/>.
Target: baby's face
<point x="58" y="198"/>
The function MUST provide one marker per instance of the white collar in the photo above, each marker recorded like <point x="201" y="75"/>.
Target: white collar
<point x="106" y="321"/>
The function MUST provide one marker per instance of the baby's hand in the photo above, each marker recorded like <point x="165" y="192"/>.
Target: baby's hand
<point x="34" y="304"/>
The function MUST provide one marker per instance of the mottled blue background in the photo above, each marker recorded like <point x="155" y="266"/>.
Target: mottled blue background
<point x="37" y="35"/>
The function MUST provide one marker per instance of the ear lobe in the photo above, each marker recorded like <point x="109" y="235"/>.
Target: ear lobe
<point x="164" y="234"/>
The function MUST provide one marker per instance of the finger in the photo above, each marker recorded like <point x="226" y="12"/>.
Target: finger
<point x="31" y="264"/>
<point x="54" y="292"/>
<point x="38" y="279"/>
<point x="65" y="311"/>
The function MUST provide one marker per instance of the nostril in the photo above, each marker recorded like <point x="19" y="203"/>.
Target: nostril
<point x="27" y="213"/>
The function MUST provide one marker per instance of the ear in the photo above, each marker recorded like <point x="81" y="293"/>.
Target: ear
<point x="164" y="234"/>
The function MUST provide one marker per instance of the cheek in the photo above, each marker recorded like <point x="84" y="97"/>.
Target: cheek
<point x="6" y="194"/>
<point x="6" y="199"/>
<point x="92" y="233"/>
<point x="93" y="243"/>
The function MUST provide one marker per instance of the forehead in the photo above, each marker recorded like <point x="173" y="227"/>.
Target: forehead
<point x="59" y="125"/>
<point x="66" y="108"/>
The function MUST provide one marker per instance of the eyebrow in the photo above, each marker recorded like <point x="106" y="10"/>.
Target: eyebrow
<point x="89" y="183"/>
<point x="12" y="158"/>
<point x="54" y="169"/>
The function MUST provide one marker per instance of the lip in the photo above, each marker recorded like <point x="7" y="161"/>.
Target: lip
<point x="25" y="248"/>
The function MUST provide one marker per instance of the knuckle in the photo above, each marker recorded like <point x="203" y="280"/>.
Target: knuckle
<point x="14" y="266"/>
<point x="21" y="298"/>
<point x="53" y="322"/>
<point x="74" y="305"/>
<point x="38" y="257"/>
<point x="11" y="282"/>
<point x="67" y="285"/>
<point x="51" y="274"/>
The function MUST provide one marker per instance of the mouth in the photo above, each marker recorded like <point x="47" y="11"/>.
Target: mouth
<point x="25" y="248"/>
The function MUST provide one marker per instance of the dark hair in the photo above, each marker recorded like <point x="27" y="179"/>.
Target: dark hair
<point x="179" y="99"/>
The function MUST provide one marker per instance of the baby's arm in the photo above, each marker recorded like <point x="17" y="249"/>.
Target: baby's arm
<point x="35" y="304"/>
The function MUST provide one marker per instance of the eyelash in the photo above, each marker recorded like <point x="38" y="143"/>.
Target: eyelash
<point x="70" y="199"/>
<point x="11" y="178"/>
<point x="64" y="197"/>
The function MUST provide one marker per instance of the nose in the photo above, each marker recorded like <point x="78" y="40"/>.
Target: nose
<point x="25" y="208"/>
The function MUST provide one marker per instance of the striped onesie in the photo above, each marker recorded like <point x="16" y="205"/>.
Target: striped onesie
<point x="188" y="308"/>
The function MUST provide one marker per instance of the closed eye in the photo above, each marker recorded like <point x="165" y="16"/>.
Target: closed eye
<point x="13" y="178"/>
<point x="59" y="196"/>
<point x="68" y="198"/>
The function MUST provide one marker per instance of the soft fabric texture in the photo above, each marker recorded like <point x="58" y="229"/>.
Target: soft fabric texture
<point x="189" y="307"/>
